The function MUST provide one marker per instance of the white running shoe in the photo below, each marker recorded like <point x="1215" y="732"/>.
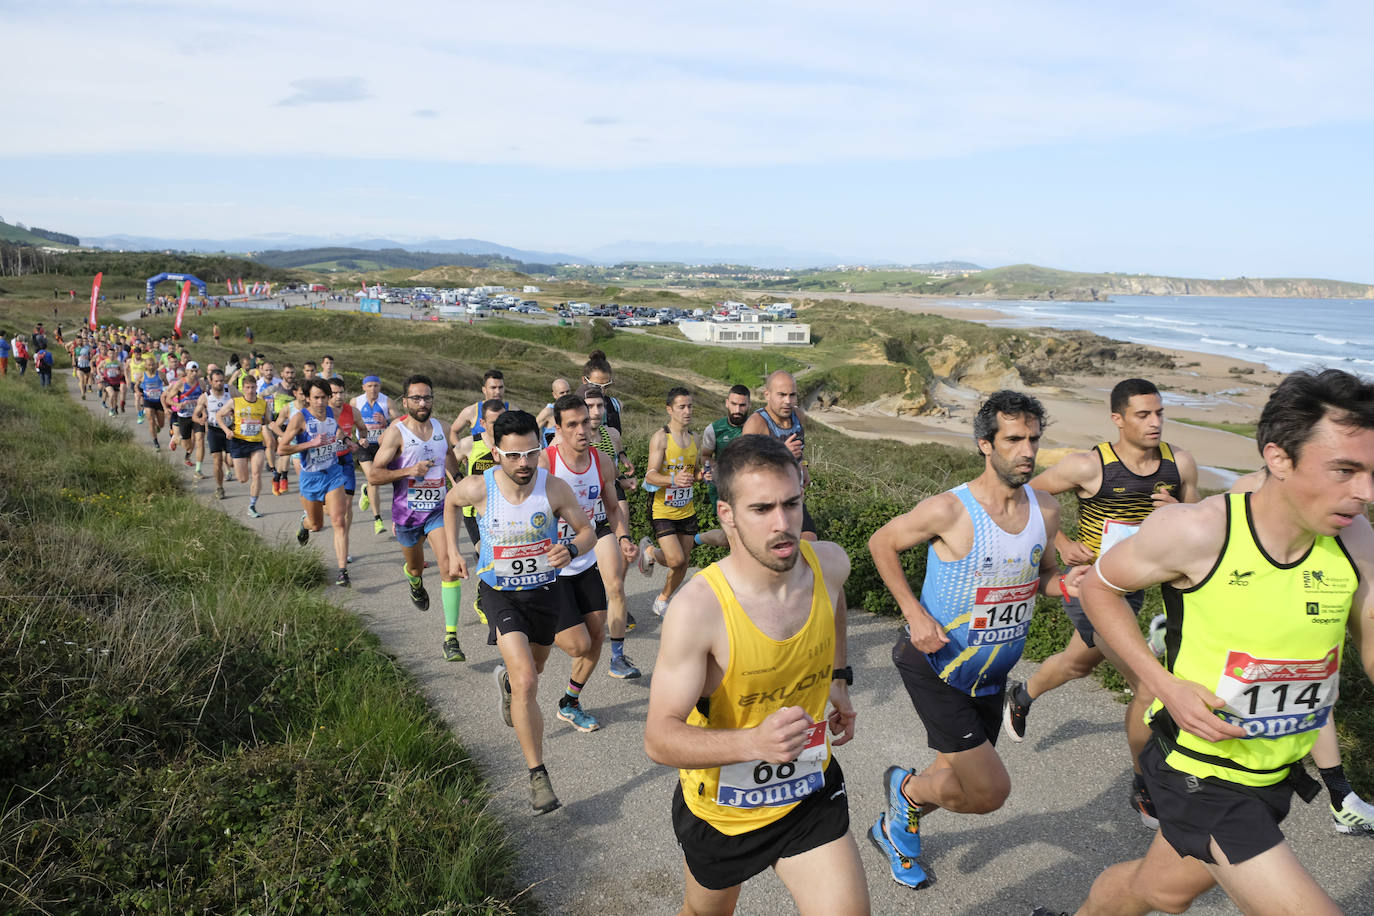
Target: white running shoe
<point x="660" y="606"/>
<point x="1356" y="815"/>
<point x="646" y="557"/>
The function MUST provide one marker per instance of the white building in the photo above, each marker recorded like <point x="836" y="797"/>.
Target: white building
<point x="764" y="333"/>
<point x="531" y="289"/>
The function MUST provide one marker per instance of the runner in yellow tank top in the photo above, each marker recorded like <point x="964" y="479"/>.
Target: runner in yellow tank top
<point x="751" y="653"/>
<point x="1250" y="667"/>
<point x="673" y="517"/>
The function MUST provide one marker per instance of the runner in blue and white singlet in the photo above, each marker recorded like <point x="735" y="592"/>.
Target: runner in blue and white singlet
<point x="985" y="599"/>
<point x="515" y="539"/>
<point x="312" y="435"/>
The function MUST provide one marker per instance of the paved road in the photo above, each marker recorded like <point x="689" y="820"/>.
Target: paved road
<point x="610" y="849"/>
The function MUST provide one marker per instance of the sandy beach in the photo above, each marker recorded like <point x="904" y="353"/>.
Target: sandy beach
<point x="1203" y="387"/>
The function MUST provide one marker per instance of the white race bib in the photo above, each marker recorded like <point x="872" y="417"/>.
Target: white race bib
<point x="1001" y="613"/>
<point x="1273" y="698"/>
<point x="249" y="427"/>
<point x="426" y="494"/>
<point x="519" y="566"/>
<point x="677" y="497"/>
<point x="1113" y="533"/>
<point x="755" y="784"/>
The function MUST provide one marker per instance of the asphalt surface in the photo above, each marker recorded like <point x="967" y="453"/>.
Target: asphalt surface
<point x="610" y="848"/>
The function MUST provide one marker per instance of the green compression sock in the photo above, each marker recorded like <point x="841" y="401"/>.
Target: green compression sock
<point x="452" y="593"/>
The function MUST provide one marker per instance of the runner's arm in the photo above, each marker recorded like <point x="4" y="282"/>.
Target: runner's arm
<point x="929" y="520"/>
<point x="1170" y="546"/>
<point x="287" y="445"/>
<point x="464" y="418"/>
<point x="1049" y="566"/>
<point x="835" y="566"/>
<point x="225" y="416"/>
<point x="1359" y="540"/>
<point x="658" y="451"/>
<point x="564" y="504"/>
<point x="622" y="459"/>
<point x="687" y="658"/>
<point x="379" y="473"/>
<point x="470" y="491"/>
<point x="1187" y="472"/>
<point x="201" y="411"/>
<point x="1076" y="471"/>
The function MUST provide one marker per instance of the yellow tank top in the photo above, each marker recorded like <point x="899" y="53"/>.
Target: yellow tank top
<point x="1267" y="638"/>
<point x="764" y="675"/>
<point x="676" y="502"/>
<point x="248" y="419"/>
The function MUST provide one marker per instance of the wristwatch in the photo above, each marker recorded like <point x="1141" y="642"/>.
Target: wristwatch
<point x="845" y="674"/>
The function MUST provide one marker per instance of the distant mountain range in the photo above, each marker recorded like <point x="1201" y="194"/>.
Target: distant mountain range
<point x="660" y="252"/>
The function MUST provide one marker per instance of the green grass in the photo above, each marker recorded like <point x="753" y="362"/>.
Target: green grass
<point x="1247" y="430"/>
<point x="189" y="726"/>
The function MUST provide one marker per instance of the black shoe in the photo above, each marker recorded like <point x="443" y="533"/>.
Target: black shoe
<point x="1041" y="911"/>
<point x="1014" y="714"/>
<point x="629" y="621"/>
<point x="418" y="596"/>
<point x="302" y="536"/>
<point x="452" y="651"/>
<point x="342" y="579"/>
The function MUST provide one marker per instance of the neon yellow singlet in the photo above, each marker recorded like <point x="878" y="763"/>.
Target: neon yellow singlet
<point x="249" y="418"/>
<point x="479" y="459"/>
<point x="1267" y="639"/>
<point x="762" y="676"/>
<point x="676" y="502"/>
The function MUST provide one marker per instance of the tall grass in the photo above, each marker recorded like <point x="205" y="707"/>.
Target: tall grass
<point x="189" y="728"/>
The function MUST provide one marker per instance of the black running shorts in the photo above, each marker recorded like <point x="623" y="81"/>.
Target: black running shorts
<point x="718" y="861"/>
<point x="1084" y="626"/>
<point x="242" y="448"/>
<point x="366" y="452"/>
<point x="586" y="594"/>
<point x="954" y="720"/>
<point x="666" y="527"/>
<point x="215" y="440"/>
<point x="532" y="611"/>
<point x="1194" y="811"/>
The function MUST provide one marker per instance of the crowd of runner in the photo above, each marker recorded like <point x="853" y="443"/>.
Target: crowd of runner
<point x="1233" y="686"/>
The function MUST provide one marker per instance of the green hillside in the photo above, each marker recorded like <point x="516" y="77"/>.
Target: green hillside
<point x="10" y="233"/>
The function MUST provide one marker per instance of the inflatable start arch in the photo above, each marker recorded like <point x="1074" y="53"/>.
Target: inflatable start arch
<point x="154" y="281"/>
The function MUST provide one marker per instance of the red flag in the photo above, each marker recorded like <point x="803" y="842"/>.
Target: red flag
<point x="181" y="308"/>
<point x="364" y="282"/>
<point x="230" y="284"/>
<point x="95" y="297"/>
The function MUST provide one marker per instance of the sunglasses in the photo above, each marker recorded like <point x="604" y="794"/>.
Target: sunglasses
<point x="421" y="398"/>
<point x="528" y="455"/>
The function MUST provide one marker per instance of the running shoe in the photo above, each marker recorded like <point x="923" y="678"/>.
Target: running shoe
<point x="112" y="411"/>
<point x="503" y="685"/>
<point x="477" y="608"/>
<point x="197" y="476"/>
<point x="377" y="526"/>
<point x="302" y="536"/>
<point x="578" y="718"/>
<point x="646" y="556"/>
<point x="623" y="668"/>
<point x="1156" y="638"/>
<point x="1014" y="714"/>
<point x="253" y="512"/>
<point x="189" y="462"/>
<point x="1144" y="805"/>
<point x="660" y="606"/>
<point x="629" y="621"/>
<point x="156" y="446"/>
<point x="418" y="596"/>
<point x="452" y="651"/>
<point x="1355" y="816"/>
<point x="363" y="501"/>
<point x="140" y="413"/>
<point x="172" y="444"/>
<point x="219" y="492"/>
<point x="906" y="871"/>
<point x="903" y="818"/>
<point x="542" y="798"/>
<point x="349" y="559"/>
<point x="341" y="579"/>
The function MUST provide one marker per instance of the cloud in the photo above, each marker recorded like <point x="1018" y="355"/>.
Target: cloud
<point x="600" y="121"/>
<point x="327" y="89"/>
<point x="424" y="113"/>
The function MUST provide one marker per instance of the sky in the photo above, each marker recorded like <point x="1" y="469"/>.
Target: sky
<point x="1209" y="139"/>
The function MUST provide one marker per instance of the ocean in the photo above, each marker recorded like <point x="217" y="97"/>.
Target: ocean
<point x="1283" y="334"/>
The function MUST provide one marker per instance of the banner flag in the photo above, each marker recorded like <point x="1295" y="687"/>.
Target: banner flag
<point x="181" y="308"/>
<point x="95" y="297"/>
